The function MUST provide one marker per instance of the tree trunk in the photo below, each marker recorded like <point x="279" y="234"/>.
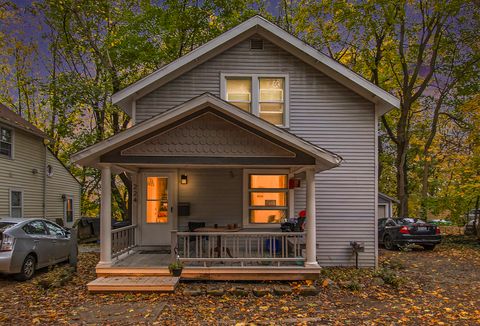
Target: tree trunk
<point x="401" y="160"/>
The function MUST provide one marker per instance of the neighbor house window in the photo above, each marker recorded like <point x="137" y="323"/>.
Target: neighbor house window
<point x="267" y="198"/>
<point x="68" y="210"/>
<point x="262" y="95"/>
<point x="16" y="203"/>
<point x="6" y="143"/>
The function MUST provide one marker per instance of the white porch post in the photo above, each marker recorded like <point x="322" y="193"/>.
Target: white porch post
<point x="106" y="217"/>
<point x="311" y="242"/>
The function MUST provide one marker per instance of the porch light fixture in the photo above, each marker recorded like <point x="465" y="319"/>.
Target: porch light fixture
<point x="183" y="179"/>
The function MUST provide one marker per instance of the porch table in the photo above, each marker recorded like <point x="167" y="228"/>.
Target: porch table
<point x="218" y="247"/>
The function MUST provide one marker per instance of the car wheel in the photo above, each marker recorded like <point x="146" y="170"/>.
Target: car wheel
<point x="428" y="247"/>
<point x="28" y="268"/>
<point x="388" y="243"/>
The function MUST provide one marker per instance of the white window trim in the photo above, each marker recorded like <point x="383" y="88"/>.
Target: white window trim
<point x="255" y="92"/>
<point x="12" y="130"/>
<point x="245" y="194"/>
<point x="10" y="190"/>
<point x="67" y="197"/>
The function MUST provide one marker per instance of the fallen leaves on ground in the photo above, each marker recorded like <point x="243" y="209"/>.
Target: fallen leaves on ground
<point x="434" y="288"/>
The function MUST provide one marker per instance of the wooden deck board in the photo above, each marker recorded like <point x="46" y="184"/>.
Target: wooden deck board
<point x="134" y="283"/>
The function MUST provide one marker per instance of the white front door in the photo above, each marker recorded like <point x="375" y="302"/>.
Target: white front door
<point x="158" y="208"/>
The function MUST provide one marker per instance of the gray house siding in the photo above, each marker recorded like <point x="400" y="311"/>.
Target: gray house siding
<point x="323" y="112"/>
<point x="214" y="195"/>
<point x="26" y="172"/>
<point x="60" y="183"/>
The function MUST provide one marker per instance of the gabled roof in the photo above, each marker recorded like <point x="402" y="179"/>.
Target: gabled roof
<point x="14" y="120"/>
<point x="90" y="156"/>
<point x="388" y="198"/>
<point x="257" y="25"/>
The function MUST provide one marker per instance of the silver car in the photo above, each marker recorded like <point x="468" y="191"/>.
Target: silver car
<point x="27" y="244"/>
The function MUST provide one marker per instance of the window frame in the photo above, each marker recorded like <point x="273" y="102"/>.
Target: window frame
<point x="10" y="201"/>
<point x="246" y="196"/>
<point x="255" y="104"/>
<point x="12" y="142"/>
<point x="65" y="205"/>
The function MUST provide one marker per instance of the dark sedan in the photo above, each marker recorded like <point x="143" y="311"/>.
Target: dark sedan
<point x="398" y="232"/>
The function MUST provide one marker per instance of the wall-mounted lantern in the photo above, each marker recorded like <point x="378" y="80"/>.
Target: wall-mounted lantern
<point x="183" y="179"/>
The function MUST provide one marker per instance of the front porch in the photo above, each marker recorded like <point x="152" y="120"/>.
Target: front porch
<point x="242" y="255"/>
<point x="210" y="183"/>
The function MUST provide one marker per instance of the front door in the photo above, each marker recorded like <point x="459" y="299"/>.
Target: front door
<point x="158" y="208"/>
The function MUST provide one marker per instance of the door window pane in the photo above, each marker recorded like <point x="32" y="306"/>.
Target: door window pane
<point x="157" y="200"/>
<point x="35" y="227"/>
<point x="54" y="229"/>
<point x="239" y="92"/>
<point x="69" y="210"/>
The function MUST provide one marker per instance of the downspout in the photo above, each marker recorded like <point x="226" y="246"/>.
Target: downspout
<point x="45" y="181"/>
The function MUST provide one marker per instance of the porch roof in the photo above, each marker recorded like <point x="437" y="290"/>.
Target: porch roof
<point x="95" y="154"/>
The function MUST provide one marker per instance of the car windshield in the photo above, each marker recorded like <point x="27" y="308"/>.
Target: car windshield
<point x="5" y="225"/>
<point x="408" y="221"/>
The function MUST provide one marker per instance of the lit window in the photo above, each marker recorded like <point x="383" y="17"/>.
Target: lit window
<point x="68" y="210"/>
<point x="263" y="96"/>
<point x="16" y="203"/>
<point x="268" y="201"/>
<point x="157" y="200"/>
<point x="271" y="100"/>
<point x="239" y="92"/>
<point x="5" y="142"/>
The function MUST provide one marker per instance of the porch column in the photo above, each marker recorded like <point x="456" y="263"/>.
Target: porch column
<point x="106" y="217"/>
<point x="311" y="241"/>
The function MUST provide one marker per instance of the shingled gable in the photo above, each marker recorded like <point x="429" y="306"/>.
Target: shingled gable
<point x="92" y="155"/>
<point x="257" y="25"/>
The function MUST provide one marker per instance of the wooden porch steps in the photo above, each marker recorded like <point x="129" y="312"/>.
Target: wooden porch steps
<point x="134" y="283"/>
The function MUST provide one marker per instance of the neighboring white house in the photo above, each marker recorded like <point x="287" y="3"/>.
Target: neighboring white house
<point x="385" y="205"/>
<point x="238" y="135"/>
<point x="33" y="182"/>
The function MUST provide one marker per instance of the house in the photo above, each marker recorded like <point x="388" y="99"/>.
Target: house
<point x="33" y="182"/>
<point x="230" y="140"/>
<point x="385" y="205"/>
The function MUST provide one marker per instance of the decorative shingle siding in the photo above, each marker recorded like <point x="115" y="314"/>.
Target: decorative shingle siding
<point x="321" y="111"/>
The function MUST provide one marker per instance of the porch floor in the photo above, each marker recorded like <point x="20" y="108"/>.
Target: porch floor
<point x="141" y="263"/>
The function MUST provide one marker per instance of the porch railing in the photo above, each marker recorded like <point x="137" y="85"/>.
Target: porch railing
<point x="240" y="248"/>
<point x="123" y="239"/>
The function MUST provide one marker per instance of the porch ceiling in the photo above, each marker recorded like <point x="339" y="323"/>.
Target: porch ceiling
<point x="207" y="131"/>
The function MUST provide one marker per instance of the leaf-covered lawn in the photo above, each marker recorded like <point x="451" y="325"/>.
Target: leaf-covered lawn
<point x="440" y="287"/>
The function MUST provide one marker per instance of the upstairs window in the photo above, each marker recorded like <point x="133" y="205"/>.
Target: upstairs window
<point x="271" y="100"/>
<point x="239" y="93"/>
<point x="6" y="143"/>
<point x="262" y="95"/>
